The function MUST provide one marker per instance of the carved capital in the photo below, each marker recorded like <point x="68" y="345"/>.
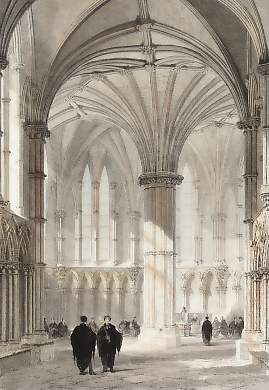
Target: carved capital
<point x="265" y="197"/>
<point x="61" y="273"/>
<point x="251" y="123"/>
<point x="263" y="69"/>
<point x="37" y="130"/>
<point x="3" y="63"/>
<point x="160" y="253"/>
<point x="59" y="214"/>
<point x="160" y="178"/>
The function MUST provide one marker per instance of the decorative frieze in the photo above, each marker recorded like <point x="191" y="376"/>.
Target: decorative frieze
<point x="38" y="130"/>
<point x="160" y="178"/>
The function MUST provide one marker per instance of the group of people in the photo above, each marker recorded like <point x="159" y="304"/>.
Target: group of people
<point x="84" y="340"/>
<point x="233" y="330"/>
<point x="129" y="328"/>
<point x="55" y="330"/>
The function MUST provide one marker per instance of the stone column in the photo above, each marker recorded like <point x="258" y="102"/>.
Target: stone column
<point x="16" y="70"/>
<point x="134" y="239"/>
<point x="10" y="305"/>
<point x="237" y="289"/>
<point x="6" y="143"/>
<point x="263" y="70"/>
<point x="120" y="303"/>
<point x="78" y="238"/>
<point x="3" y="276"/>
<point x="95" y="220"/>
<point x="3" y="65"/>
<point x="198" y="227"/>
<point x="30" y="302"/>
<point x="59" y="219"/>
<point x="107" y="296"/>
<point x="159" y="261"/>
<point x="17" y="324"/>
<point x="37" y="133"/>
<point x="91" y="301"/>
<point x="203" y="294"/>
<point x="219" y="237"/>
<point x="222" y="274"/>
<point x="114" y="220"/>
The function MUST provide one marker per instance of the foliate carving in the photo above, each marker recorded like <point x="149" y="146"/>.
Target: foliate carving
<point x="133" y="274"/>
<point x="222" y="275"/>
<point x="163" y="178"/>
<point x="59" y="214"/>
<point x="160" y="253"/>
<point x="38" y="130"/>
<point x="3" y="63"/>
<point x="125" y="72"/>
<point x="251" y="123"/>
<point x="97" y="77"/>
<point x="263" y="69"/>
<point x="144" y="27"/>
<point x="185" y="279"/>
<point x="61" y="273"/>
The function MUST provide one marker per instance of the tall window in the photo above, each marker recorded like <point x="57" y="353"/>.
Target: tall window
<point x="104" y="217"/>
<point x="86" y="215"/>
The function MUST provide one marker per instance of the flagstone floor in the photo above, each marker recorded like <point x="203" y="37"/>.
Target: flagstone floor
<point x="192" y="366"/>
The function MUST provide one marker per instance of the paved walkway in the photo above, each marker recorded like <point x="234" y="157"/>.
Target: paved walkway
<point x="191" y="367"/>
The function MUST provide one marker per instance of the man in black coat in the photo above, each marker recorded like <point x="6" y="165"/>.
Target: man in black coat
<point x="207" y="331"/>
<point x="83" y="341"/>
<point x="108" y="341"/>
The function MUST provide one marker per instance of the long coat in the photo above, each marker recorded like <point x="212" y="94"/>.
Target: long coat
<point x="109" y="340"/>
<point x="83" y="341"/>
<point x="207" y="330"/>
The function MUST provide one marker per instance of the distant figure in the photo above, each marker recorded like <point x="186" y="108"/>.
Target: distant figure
<point x="224" y="329"/>
<point x="232" y="327"/>
<point x="240" y="326"/>
<point x="135" y="328"/>
<point x="93" y="325"/>
<point x="184" y="314"/>
<point x="83" y="341"/>
<point x="108" y="341"/>
<point x="206" y="331"/>
<point x="216" y="327"/>
<point x="46" y="326"/>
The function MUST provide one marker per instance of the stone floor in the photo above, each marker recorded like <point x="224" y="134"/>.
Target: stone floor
<point x="192" y="366"/>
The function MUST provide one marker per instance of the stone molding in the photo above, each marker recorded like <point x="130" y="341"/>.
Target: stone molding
<point x="263" y="69"/>
<point x="258" y="275"/>
<point x="160" y="253"/>
<point x="3" y="63"/>
<point x="251" y="123"/>
<point x="10" y="267"/>
<point x="161" y="178"/>
<point x="37" y="130"/>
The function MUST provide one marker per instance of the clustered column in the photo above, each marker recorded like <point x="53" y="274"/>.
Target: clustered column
<point x="219" y="237"/>
<point x="59" y="217"/>
<point x="3" y="65"/>
<point x="159" y="244"/>
<point x="198" y="238"/>
<point x="78" y="227"/>
<point x="37" y="133"/>
<point x="134" y="239"/>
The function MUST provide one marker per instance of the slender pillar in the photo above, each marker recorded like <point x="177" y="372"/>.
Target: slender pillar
<point x="6" y="128"/>
<point x="114" y="218"/>
<point x="37" y="132"/>
<point x="3" y="65"/>
<point x="219" y="237"/>
<point x="10" y="305"/>
<point x="159" y="261"/>
<point x="30" y="302"/>
<point x="237" y="289"/>
<point x="15" y="81"/>
<point x="59" y="219"/>
<point x="95" y="220"/>
<point x="120" y="303"/>
<point x="3" y="276"/>
<point x="107" y="297"/>
<point x="16" y="303"/>
<point x="78" y="237"/>
<point x="134" y="239"/>
<point x="263" y="70"/>
<point x="91" y="300"/>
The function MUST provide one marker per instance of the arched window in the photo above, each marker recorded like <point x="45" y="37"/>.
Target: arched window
<point x="104" y="217"/>
<point x="86" y="215"/>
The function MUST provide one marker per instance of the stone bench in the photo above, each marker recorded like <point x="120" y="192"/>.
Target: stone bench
<point x="25" y="356"/>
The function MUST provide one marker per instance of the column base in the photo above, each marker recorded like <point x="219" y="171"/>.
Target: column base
<point x="251" y="341"/>
<point x="156" y="338"/>
<point x="37" y="337"/>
